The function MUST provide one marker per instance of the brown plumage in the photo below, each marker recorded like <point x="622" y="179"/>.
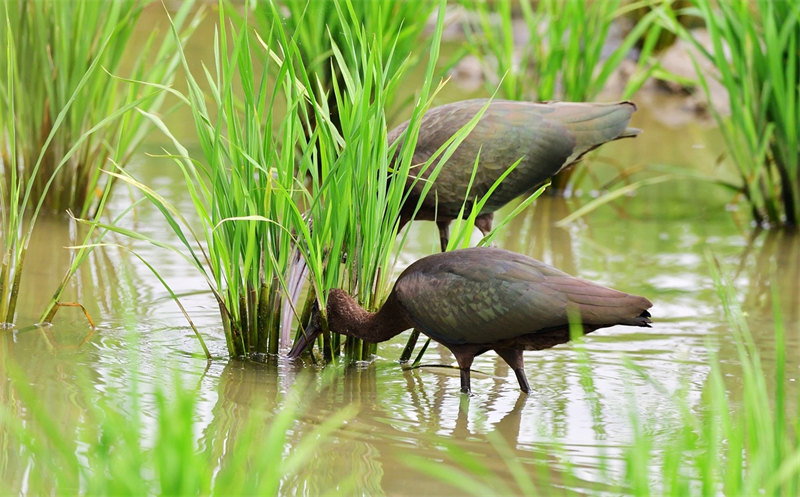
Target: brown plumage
<point x="479" y="299"/>
<point x="547" y="137"/>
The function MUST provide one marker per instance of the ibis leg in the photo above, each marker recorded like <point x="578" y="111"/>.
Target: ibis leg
<point x="464" y="363"/>
<point x="412" y="342"/>
<point x="444" y="233"/>
<point x="514" y="359"/>
<point x="523" y="380"/>
<point x="465" y="388"/>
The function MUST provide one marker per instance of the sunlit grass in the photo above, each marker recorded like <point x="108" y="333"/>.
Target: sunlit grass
<point x="755" y="47"/>
<point x="316" y="27"/>
<point x="242" y="189"/>
<point x="562" y="54"/>
<point x="61" y="83"/>
<point x="63" y="116"/>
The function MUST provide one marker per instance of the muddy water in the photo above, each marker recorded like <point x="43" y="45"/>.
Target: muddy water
<point x="656" y="242"/>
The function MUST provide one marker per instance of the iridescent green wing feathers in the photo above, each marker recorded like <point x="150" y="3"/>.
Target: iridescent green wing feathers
<point x="475" y="298"/>
<point x="543" y="137"/>
<point x="485" y="295"/>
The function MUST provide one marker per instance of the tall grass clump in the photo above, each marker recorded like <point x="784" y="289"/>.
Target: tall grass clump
<point x="65" y="58"/>
<point x="271" y="180"/>
<point x="567" y="52"/>
<point x="247" y="110"/>
<point x="360" y="187"/>
<point x="62" y="116"/>
<point x="318" y="26"/>
<point x="754" y="50"/>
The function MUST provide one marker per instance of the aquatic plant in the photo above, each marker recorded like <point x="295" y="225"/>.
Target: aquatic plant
<point x="755" y="46"/>
<point x="59" y="111"/>
<point x="567" y="53"/>
<point x="357" y="193"/>
<point x="59" y="86"/>
<point x="317" y="27"/>
<point x="244" y="185"/>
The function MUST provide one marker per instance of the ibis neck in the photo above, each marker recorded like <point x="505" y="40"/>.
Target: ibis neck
<point x="347" y="317"/>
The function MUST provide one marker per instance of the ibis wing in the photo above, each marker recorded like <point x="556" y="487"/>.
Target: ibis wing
<point x="515" y="133"/>
<point x="485" y="295"/>
<point x="466" y="301"/>
<point x="543" y="137"/>
<point x="599" y="305"/>
<point x="546" y="137"/>
<point x="507" y="131"/>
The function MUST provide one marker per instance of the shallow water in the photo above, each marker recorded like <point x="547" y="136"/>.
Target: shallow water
<point x="658" y="242"/>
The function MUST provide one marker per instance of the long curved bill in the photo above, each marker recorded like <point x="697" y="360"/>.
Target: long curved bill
<point x="306" y="339"/>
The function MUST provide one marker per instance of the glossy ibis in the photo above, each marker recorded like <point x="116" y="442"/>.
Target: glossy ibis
<point x="479" y="299"/>
<point x="546" y="136"/>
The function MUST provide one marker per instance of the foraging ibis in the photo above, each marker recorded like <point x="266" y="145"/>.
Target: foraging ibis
<point x="479" y="299"/>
